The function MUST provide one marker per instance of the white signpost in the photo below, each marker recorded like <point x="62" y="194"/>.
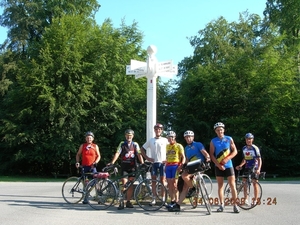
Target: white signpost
<point x="151" y="69"/>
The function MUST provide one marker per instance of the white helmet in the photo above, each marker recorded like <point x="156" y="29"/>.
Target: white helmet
<point x="219" y="124"/>
<point x="188" y="133"/>
<point x="171" y="134"/>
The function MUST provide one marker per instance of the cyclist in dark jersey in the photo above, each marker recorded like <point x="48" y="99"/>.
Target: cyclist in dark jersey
<point x="129" y="152"/>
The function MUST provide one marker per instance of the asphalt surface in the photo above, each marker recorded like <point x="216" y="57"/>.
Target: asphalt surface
<point x="37" y="203"/>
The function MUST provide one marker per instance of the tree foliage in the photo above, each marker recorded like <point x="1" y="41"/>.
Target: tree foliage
<point x="71" y="80"/>
<point x="62" y="75"/>
<point x="243" y="75"/>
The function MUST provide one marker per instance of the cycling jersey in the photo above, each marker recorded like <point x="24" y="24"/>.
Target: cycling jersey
<point x="128" y="154"/>
<point x="89" y="154"/>
<point x="251" y="154"/>
<point x="173" y="153"/>
<point x="193" y="151"/>
<point x="222" y="149"/>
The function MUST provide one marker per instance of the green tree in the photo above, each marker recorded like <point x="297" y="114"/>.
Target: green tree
<point x="26" y="20"/>
<point x="284" y="14"/>
<point x="241" y="74"/>
<point x="72" y="80"/>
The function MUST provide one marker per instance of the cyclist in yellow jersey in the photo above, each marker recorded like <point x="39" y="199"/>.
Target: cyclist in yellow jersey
<point x="174" y="159"/>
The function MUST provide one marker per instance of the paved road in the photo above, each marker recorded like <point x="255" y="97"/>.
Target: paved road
<point x="38" y="203"/>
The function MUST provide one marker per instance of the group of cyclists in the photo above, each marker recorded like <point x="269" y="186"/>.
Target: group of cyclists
<point x="169" y="159"/>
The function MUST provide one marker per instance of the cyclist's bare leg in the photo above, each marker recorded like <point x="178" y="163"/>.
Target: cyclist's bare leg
<point x="187" y="179"/>
<point x="231" y="181"/>
<point x="172" y="188"/>
<point x="220" y="181"/>
<point x="153" y="177"/>
<point x="176" y="190"/>
<point x="163" y="180"/>
<point x="254" y="182"/>
<point x="130" y="190"/>
<point x="183" y="193"/>
<point x="245" y="188"/>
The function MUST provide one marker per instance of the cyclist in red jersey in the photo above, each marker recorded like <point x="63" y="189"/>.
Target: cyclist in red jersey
<point x="89" y="154"/>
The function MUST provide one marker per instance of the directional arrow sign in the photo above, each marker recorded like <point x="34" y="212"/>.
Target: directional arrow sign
<point x="164" y="66"/>
<point x="138" y="70"/>
<point x="134" y="64"/>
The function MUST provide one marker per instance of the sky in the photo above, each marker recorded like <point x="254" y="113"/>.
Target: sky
<point x="167" y="23"/>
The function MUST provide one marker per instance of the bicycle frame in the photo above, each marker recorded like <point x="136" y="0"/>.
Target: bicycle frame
<point x="201" y="190"/>
<point x="73" y="188"/>
<point x="102" y="192"/>
<point x="249" y="190"/>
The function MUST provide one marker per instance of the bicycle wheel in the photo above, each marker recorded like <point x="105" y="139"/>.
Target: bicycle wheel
<point x="146" y="198"/>
<point x="73" y="190"/>
<point x="208" y="183"/>
<point x="101" y="193"/>
<point x="205" y="196"/>
<point x="247" y="198"/>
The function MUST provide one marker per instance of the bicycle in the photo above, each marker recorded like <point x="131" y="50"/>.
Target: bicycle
<point x="73" y="188"/>
<point x="199" y="180"/>
<point x="246" y="198"/>
<point x="108" y="190"/>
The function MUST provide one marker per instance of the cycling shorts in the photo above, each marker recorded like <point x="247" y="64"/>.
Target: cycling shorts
<point x="158" y="168"/>
<point x="228" y="172"/>
<point x="171" y="171"/>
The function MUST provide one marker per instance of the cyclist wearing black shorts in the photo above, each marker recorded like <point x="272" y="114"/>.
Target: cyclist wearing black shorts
<point x="252" y="161"/>
<point x="222" y="150"/>
<point x="129" y="152"/>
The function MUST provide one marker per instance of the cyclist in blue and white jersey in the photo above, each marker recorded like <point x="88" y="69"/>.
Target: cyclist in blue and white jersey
<point x="222" y="150"/>
<point x="251" y="159"/>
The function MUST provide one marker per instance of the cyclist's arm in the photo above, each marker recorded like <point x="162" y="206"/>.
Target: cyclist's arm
<point x="116" y="156"/>
<point x="239" y="167"/>
<point x="143" y="152"/>
<point x="78" y="155"/>
<point x="206" y="155"/>
<point x="259" y="164"/>
<point x="232" y="154"/>
<point x="213" y="158"/>
<point x="140" y="157"/>
<point x="98" y="155"/>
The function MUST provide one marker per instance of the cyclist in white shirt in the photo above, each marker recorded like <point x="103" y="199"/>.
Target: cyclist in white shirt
<point x="157" y="147"/>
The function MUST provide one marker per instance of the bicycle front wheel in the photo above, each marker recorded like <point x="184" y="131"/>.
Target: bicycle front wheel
<point x="249" y="195"/>
<point x="150" y="195"/>
<point x="205" y="195"/>
<point x="208" y="183"/>
<point x="73" y="190"/>
<point x="101" y="193"/>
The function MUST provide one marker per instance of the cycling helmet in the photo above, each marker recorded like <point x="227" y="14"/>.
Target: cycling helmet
<point x="188" y="133"/>
<point x="89" y="133"/>
<point x="158" y="125"/>
<point x="129" y="131"/>
<point x="249" y="135"/>
<point x="171" y="134"/>
<point x="219" y="124"/>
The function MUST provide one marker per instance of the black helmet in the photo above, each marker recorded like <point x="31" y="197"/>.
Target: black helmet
<point x="129" y="131"/>
<point x="158" y="125"/>
<point x="89" y="133"/>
